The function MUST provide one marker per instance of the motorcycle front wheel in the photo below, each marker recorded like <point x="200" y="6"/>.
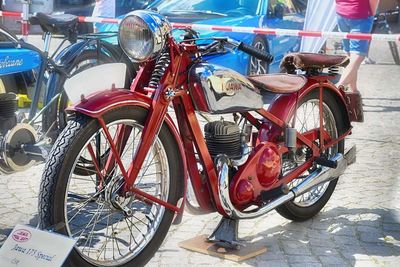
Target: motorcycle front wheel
<point x="92" y="209"/>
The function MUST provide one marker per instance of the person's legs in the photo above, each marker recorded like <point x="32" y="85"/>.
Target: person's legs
<point x="344" y="26"/>
<point x="349" y="76"/>
<point x="358" y="50"/>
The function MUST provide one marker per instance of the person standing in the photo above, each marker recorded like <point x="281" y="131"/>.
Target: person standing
<point x="355" y="16"/>
<point x="103" y="9"/>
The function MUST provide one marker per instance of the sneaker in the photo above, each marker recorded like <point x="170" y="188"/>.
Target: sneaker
<point x="368" y="61"/>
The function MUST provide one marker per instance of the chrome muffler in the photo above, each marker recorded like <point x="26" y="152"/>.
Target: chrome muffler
<point x="319" y="176"/>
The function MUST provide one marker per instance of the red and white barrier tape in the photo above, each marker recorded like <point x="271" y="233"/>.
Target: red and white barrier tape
<point x="286" y="32"/>
<point x="11" y="14"/>
<point x="265" y="31"/>
<point x="99" y="20"/>
<point x="24" y="22"/>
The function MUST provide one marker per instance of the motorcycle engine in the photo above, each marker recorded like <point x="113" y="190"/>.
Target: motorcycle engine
<point x="13" y="136"/>
<point x="8" y="107"/>
<point x="223" y="137"/>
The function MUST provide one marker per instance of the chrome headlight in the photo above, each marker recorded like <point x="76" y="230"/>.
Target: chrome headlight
<point x="142" y="34"/>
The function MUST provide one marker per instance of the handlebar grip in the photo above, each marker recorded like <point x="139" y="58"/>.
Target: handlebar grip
<point x="251" y="50"/>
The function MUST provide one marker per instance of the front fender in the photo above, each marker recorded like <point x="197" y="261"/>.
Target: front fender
<point x="99" y="103"/>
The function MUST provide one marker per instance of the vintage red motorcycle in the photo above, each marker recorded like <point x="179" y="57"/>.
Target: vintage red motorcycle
<point x="117" y="176"/>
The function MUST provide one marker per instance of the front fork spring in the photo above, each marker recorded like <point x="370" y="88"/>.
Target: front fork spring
<point x="159" y="70"/>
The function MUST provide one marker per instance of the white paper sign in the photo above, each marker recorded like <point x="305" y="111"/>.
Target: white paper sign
<point x="30" y="247"/>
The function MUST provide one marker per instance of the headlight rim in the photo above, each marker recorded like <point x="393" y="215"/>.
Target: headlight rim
<point x="155" y="23"/>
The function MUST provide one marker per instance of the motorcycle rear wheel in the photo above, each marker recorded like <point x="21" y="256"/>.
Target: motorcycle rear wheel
<point x="310" y="203"/>
<point x="76" y="207"/>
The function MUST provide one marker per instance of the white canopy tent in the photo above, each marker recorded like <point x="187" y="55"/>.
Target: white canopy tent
<point x="320" y="16"/>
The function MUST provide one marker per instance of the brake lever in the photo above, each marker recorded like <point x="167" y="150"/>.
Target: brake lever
<point x="230" y="47"/>
<point x="233" y="42"/>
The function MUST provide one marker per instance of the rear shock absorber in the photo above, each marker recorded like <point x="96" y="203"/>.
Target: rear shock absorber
<point x="159" y="70"/>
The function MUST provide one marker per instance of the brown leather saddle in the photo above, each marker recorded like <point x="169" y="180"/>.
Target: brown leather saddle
<point x="307" y="61"/>
<point x="286" y="83"/>
<point x="280" y="83"/>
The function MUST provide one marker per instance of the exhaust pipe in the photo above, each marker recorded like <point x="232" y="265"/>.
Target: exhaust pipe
<point x="322" y="175"/>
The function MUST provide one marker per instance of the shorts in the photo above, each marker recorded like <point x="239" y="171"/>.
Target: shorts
<point x="359" y="47"/>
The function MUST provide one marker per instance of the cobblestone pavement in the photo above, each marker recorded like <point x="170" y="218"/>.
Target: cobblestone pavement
<point x="358" y="227"/>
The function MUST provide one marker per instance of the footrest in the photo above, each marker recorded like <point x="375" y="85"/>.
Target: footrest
<point x="326" y="162"/>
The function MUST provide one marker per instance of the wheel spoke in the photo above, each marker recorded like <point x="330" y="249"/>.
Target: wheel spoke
<point x="307" y="119"/>
<point x="106" y="235"/>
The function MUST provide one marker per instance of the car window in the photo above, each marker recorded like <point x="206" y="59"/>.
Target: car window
<point x="282" y="8"/>
<point x="230" y="7"/>
<point x="133" y="4"/>
<point x="73" y="2"/>
<point x="300" y="5"/>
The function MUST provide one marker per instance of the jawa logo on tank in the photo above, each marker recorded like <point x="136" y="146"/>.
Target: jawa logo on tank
<point x="222" y="85"/>
<point x="233" y="86"/>
<point x="7" y="62"/>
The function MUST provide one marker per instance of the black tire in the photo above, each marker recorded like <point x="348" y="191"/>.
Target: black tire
<point x="55" y="182"/>
<point x="257" y="66"/>
<point x="293" y="211"/>
<point x="55" y="118"/>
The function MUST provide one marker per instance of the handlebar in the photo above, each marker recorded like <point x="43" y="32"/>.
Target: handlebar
<point x="255" y="52"/>
<point x="251" y="50"/>
<point x="379" y="17"/>
<point x="388" y="13"/>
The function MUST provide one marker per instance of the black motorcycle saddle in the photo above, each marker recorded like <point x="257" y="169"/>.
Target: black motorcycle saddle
<point x="55" y="24"/>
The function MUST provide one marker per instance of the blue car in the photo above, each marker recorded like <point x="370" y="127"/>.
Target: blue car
<point x="284" y="14"/>
<point x="85" y="8"/>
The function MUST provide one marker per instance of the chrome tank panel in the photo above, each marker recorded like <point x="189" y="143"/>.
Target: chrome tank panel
<point x="216" y="89"/>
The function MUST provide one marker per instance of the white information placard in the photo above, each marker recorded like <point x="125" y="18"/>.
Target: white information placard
<point x="30" y="247"/>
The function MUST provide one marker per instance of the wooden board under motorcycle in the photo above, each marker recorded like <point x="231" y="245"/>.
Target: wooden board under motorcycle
<point x="116" y="177"/>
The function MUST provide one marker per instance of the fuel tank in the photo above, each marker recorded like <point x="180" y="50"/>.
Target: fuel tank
<point x="216" y="89"/>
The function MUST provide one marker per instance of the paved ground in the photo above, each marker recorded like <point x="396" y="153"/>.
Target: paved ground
<point x="359" y="226"/>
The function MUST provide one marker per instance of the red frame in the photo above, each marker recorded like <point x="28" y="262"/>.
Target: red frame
<point x="190" y="137"/>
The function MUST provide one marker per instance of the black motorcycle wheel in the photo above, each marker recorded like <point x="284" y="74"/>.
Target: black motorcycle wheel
<point x="75" y="206"/>
<point x="310" y="203"/>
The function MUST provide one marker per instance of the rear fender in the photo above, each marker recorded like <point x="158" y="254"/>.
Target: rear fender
<point x="284" y="106"/>
<point x="99" y="103"/>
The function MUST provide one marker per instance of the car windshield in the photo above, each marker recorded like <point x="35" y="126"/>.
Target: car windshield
<point x="212" y="7"/>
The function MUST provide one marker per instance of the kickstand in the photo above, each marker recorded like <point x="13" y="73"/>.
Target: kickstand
<point x="226" y="234"/>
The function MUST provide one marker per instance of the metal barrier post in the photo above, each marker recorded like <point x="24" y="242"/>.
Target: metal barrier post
<point x="25" y="18"/>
